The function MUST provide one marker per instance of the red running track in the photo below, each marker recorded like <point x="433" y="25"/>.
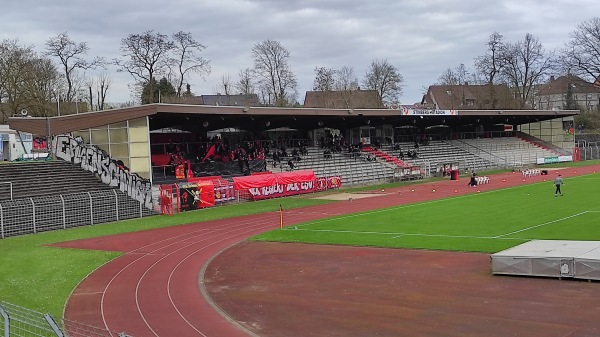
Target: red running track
<point x="155" y="288"/>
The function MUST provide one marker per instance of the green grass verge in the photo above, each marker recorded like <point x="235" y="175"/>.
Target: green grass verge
<point x="41" y="278"/>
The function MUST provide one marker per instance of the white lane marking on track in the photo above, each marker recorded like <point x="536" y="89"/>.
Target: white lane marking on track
<point x="102" y="300"/>
<point x="240" y="224"/>
<point x="210" y="243"/>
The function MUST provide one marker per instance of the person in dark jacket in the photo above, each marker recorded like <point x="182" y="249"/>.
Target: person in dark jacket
<point x="473" y="181"/>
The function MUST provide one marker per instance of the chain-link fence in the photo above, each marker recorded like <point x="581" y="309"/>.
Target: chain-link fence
<point x="35" y="215"/>
<point x="16" y="321"/>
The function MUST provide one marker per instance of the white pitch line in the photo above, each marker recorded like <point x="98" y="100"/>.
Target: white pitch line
<point x="540" y="225"/>
<point x="392" y="233"/>
<point x="398" y="235"/>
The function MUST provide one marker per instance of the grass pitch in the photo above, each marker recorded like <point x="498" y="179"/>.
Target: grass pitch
<point x="483" y="222"/>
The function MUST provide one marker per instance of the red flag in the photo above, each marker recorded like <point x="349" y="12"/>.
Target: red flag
<point x="190" y="172"/>
<point x="210" y="152"/>
<point x="206" y="193"/>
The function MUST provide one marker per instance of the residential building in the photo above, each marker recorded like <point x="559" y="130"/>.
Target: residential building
<point x="584" y="95"/>
<point x="469" y="97"/>
<point x="346" y="99"/>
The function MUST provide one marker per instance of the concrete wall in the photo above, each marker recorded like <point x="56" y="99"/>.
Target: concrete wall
<point x="559" y="131"/>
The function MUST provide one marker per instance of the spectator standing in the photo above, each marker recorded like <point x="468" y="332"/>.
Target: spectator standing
<point x="557" y="183"/>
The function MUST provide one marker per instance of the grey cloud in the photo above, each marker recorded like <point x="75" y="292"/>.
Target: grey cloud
<point x="421" y="38"/>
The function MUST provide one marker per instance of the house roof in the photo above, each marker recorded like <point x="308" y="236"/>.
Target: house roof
<point x="347" y="99"/>
<point x="470" y="97"/>
<point x="560" y="85"/>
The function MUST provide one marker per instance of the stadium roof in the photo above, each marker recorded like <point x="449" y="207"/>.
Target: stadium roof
<point x="203" y="118"/>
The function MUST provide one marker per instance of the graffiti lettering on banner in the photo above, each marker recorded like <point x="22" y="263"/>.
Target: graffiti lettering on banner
<point x="277" y="185"/>
<point x="282" y="190"/>
<point x="96" y="160"/>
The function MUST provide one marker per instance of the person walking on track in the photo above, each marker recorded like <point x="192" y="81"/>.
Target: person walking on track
<point x="558" y="182"/>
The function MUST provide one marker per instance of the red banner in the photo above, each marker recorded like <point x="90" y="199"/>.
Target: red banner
<point x="334" y="182"/>
<point x="277" y="185"/>
<point x="166" y="199"/>
<point x="259" y="180"/>
<point x="160" y="159"/>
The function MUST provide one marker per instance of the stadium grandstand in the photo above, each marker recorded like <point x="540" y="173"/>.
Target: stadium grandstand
<point x="175" y="157"/>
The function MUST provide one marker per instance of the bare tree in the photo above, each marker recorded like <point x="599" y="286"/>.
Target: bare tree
<point x="386" y="80"/>
<point x="90" y="85"/>
<point x="97" y="90"/>
<point x="462" y="74"/>
<point x="448" y="77"/>
<point x="458" y="76"/>
<point x="345" y="79"/>
<point x="225" y="87"/>
<point x="102" y="87"/>
<point x="526" y="63"/>
<point x="271" y="65"/>
<point x="346" y="82"/>
<point x="27" y="81"/>
<point x="15" y="62"/>
<point x="71" y="57"/>
<point x="245" y="83"/>
<point x="324" y="79"/>
<point x="187" y="59"/>
<point x="266" y="93"/>
<point x="145" y="57"/>
<point x="581" y="54"/>
<point x="41" y="84"/>
<point x="324" y="83"/>
<point x="490" y="64"/>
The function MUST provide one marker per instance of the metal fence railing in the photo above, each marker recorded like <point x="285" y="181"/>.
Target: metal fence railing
<point x="40" y="214"/>
<point x="589" y="153"/>
<point x="17" y="321"/>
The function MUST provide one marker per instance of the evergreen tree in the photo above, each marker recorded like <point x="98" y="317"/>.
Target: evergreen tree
<point x="160" y="91"/>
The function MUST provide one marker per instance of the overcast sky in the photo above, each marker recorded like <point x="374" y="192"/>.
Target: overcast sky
<point x="421" y="38"/>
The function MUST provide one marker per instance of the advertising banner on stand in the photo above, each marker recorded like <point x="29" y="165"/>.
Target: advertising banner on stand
<point x="334" y="182"/>
<point x="277" y="185"/>
<point x="328" y="183"/>
<point x="196" y="195"/>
